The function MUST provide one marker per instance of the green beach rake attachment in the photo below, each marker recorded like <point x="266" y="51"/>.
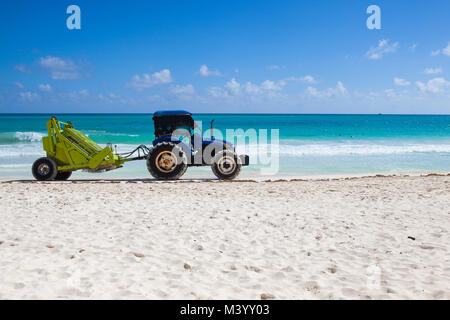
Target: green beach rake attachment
<point x="68" y="150"/>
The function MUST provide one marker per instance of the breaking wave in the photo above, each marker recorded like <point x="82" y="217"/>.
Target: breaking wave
<point x="30" y="146"/>
<point x="330" y="149"/>
<point x="21" y="150"/>
<point x="20" y="137"/>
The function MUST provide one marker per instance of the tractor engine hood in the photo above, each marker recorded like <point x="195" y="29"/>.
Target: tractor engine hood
<point x="224" y="143"/>
<point x="198" y="141"/>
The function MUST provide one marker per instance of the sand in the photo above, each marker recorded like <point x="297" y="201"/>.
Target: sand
<point x="360" y="238"/>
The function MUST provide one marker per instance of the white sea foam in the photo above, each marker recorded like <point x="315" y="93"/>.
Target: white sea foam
<point x="105" y="133"/>
<point x="330" y="149"/>
<point x="285" y="150"/>
<point x="21" y="150"/>
<point x="334" y="149"/>
<point x="29" y="136"/>
<point x="14" y="165"/>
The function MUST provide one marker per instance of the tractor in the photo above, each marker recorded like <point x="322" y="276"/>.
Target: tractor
<point x="177" y="146"/>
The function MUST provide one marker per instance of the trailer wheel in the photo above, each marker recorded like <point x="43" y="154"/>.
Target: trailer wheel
<point x="167" y="161"/>
<point x="44" y="169"/>
<point x="226" y="165"/>
<point x="63" y="175"/>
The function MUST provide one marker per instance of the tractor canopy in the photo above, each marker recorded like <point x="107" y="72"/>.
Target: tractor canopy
<point x="167" y="122"/>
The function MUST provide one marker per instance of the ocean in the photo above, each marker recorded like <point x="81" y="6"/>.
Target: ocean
<point x="309" y="145"/>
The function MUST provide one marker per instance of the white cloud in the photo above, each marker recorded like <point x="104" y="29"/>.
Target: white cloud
<point x="435" y="53"/>
<point x="28" y="96"/>
<point x="205" y="72"/>
<point x="84" y="92"/>
<point x="60" y="69"/>
<point x="305" y="79"/>
<point x="273" y="67"/>
<point x="383" y="48"/>
<point x="413" y="47"/>
<point x="435" y="85"/>
<point x="268" y="87"/>
<point x="401" y="82"/>
<point x="76" y="95"/>
<point x="183" y="90"/>
<point x="312" y="92"/>
<point x="432" y="71"/>
<point x="271" y="85"/>
<point x="148" y="81"/>
<point x="234" y="88"/>
<point x="45" y="87"/>
<point x="389" y="93"/>
<point x="217" y="92"/>
<point x="113" y="98"/>
<point x="446" y="50"/>
<point x="81" y="96"/>
<point x="162" y="77"/>
<point x="253" y="89"/>
<point x="55" y="63"/>
<point x="308" y="79"/>
<point x="19" y="85"/>
<point x="339" y="90"/>
<point x="22" y="68"/>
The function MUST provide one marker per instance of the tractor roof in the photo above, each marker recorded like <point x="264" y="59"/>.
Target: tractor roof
<point x="168" y="121"/>
<point x="171" y="113"/>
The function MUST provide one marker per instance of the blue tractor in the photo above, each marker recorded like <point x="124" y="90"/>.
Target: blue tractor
<point x="178" y="146"/>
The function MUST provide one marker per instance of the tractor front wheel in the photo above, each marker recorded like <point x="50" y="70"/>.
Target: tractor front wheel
<point x="226" y="165"/>
<point x="167" y="161"/>
<point x="63" y="175"/>
<point x="44" y="169"/>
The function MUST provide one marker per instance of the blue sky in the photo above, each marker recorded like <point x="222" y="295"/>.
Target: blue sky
<point x="225" y="56"/>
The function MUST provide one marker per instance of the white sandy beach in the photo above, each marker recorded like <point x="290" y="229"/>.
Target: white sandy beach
<point x="315" y="239"/>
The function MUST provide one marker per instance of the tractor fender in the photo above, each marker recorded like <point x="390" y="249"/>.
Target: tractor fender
<point x="173" y="140"/>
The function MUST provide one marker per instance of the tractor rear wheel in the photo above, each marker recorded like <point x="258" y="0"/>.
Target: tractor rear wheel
<point x="226" y="165"/>
<point x="63" y="175"/>
<point x="44" y="169"/>
<point x="167" y="161"/>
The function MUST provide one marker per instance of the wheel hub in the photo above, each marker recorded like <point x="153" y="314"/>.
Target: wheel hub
<point x="43" y="169"/>
<point x="166" y="161"/>
<point x="226" y="165"/>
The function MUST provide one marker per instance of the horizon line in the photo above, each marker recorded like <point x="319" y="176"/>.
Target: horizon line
<point x="227" y="113"/>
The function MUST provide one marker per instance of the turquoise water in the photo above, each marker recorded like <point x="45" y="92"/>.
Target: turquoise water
<point x="308" y="144"/>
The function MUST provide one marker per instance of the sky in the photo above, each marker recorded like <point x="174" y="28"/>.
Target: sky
<point x="230" y="56"/>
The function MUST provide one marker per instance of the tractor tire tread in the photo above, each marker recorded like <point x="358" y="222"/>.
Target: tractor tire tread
<point x="158" y="175"/>
<point x="53" y="166"/>
<point x="220" y="175"/>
